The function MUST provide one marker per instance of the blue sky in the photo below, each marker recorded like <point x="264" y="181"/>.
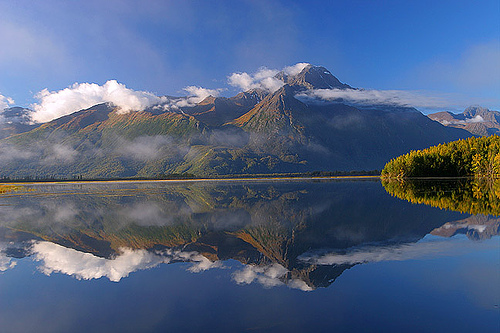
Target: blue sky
<point x="443" y="49"/>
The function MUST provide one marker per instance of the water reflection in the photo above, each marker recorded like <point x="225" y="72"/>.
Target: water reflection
<point x="300" y="234"/>
<point x="473" y="196"/>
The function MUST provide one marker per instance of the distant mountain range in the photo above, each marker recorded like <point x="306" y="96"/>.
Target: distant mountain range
<point x="475" y="119"/>
<point x="252" y="132"/>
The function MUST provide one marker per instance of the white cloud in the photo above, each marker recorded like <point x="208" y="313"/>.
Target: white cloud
<point x="6" y="263"/>
<point x="59" y="259"/>
<point x="59" y="153"/>
<point x="195" y="95"/>
<point x="55" y="104"/>
<point x="269" y="276"/>
<point x="56" y="258"/>
<point x="145" y="147"/>
<point x="5" y="102"/>
<point x="49" y="153"/>
<point x="476" y="119"/>
<point x="295" y="69"/>
<point x="263" y="79"/>
<point x="10" y="153"/>
<point x="377" y="97"/>
<point x="429" y="247"/>
<point x="200" y="263"/>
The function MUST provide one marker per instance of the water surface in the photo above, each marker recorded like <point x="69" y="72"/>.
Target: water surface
<point x="243" y="256"/>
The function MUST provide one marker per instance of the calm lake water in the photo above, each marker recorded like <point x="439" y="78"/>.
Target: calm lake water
<point x="258" y="256"/>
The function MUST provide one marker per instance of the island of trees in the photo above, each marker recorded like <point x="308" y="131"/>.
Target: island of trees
<point x="476" y="160"/>
<point x="478" y="157"/>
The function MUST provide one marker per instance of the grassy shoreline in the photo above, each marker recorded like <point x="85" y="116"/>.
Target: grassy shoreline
<point x="221" y="179"/>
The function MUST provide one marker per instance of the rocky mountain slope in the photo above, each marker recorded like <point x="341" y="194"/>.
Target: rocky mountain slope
<point x="252" y="132"/>
<point x="475" y="119"/>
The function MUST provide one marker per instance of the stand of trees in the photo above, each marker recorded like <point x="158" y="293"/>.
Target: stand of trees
<point x="474" y="196"/>
<point x="479" y="157"/>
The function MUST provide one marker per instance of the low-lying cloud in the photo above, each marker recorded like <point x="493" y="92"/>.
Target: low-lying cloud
<point x="476" y="119"/>
<point x="6" y="263"/>
<point x="5" y="102"/>
<point x="399" y="252"/>
<point x="264" y="78"/>
<point x="376" y="97"/>
<point x="55" y="104"/>
<point x="146" y="148"/>
<point x="86" y="266"/>
<point x="59" y="259"/>
<point x="269" y="276"/>
<point x="195" y="95"/>
<point x="46" y="154"/>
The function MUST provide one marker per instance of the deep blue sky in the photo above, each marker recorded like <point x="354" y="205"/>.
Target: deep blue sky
<point x="447" y="48"/>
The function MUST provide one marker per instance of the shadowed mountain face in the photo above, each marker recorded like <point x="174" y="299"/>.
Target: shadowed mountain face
<point x="273" y="228"/>
<point x="475" y="119"/>
<point x="252" y="132"/>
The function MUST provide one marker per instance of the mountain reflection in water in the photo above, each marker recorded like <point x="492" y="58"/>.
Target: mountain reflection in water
<point x="303" y="234"/>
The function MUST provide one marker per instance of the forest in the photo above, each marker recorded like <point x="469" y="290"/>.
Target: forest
<point x="475" y="157"/>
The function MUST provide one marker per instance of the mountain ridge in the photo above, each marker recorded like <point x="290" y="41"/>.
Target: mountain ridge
<point x="253" y="132"/>
<point x="474" y="119"/>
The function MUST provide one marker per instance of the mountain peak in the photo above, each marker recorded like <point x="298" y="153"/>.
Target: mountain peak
<point x="312" y="77"/>
<point x="475" y="110"/>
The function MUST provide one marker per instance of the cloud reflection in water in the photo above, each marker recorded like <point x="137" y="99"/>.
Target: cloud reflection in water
<point x="428" y="247"/>
<point x="55" y="258"/>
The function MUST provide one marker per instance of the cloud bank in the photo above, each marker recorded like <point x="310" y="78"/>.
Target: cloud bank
<point x="55" y="104"/>
<point x="427" y="248"/>
<point x="59" y="259"/>
<point x="476" y="119"/>
<point x="376" y="97"/>
<point x="56" y="258"/>
<point x="264" y="78"/>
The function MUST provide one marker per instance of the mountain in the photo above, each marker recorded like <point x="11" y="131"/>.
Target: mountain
<point x="216" y="111"/>
<point x="252" y="132"/>
<point x="15" y="120"/>
<point x="475" y="119"/>
<point x="476" y="227"/>
<point x="313" y="77"/>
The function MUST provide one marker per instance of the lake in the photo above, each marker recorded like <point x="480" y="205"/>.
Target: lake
<point x="259" y="256"/>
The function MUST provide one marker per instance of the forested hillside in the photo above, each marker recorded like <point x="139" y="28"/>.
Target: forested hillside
<point x="468" y="157"/>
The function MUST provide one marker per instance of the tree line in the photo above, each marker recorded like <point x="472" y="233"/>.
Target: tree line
<point x="479" y="157"/>
<point x="472" y="195"/>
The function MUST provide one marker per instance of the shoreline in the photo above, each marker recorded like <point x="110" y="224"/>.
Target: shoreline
<point x="243" y="179"/>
